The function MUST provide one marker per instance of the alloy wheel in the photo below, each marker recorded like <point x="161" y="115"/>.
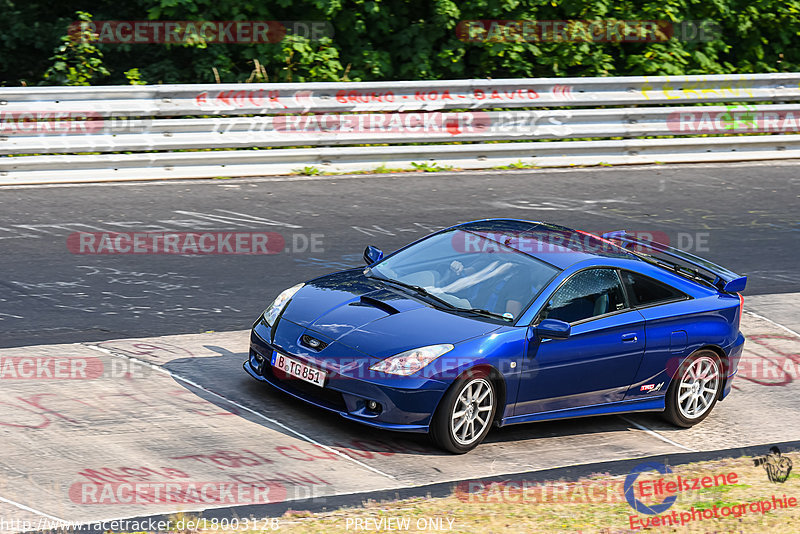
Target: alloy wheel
<point x="472" y="411"/>
<point x="698" y="387"/>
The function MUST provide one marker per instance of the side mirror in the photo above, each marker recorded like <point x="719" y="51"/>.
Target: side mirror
<point x="553" y="329"/>
<point x="372" y="255"/>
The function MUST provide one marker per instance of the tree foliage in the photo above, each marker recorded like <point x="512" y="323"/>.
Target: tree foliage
<point x="405" y="40"/>
<point x="77" y="61"/>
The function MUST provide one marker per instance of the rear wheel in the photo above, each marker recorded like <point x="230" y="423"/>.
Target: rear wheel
<point x="695" y="389"/>
<point x="465" y="414"/>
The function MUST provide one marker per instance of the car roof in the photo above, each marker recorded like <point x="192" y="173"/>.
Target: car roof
<point x="557" y="245"/>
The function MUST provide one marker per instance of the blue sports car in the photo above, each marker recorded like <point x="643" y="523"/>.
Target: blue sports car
<point x="506" y="321"/>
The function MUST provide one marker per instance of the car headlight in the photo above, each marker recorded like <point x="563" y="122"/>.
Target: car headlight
<point x="271" y="313"/>
<point x="411" y="361"/>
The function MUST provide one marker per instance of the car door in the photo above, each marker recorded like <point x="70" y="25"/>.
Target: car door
<point x="669" y="316"/>
<point x="598" y="361"/>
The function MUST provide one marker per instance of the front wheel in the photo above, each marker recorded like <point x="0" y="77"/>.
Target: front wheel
<point x="465" y="414"/>
<point x="694" y="389"/>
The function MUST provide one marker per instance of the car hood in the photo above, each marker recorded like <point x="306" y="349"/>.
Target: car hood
<point x="374" y="318"/>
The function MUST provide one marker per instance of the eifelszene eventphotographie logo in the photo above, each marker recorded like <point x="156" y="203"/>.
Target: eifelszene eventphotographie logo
<point x="630" y="484"/>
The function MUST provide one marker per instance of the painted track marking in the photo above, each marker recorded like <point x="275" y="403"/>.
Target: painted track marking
<point x="240" y="406"/>
<point x="767" y="319"/>
<point x="32" y="510"/>
<point x="656" y="434"/>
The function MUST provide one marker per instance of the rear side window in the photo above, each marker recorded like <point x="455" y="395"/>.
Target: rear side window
<point x="645" y="291"/>
<point x="587" y="294"/>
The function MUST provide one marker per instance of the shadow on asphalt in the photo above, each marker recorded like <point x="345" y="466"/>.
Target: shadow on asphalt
<point x="224" y="375"/>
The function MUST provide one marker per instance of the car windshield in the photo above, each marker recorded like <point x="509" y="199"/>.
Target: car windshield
<point x="469" y="272"/>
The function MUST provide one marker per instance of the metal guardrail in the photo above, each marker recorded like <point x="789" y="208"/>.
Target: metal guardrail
<point x="343" y="129"/>
<point x="39" y="125"/>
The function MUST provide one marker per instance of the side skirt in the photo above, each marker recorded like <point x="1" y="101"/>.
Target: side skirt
<point x="649" y="404"/>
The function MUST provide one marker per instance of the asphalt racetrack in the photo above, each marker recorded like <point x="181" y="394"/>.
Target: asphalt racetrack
<point x="743" y="216"/>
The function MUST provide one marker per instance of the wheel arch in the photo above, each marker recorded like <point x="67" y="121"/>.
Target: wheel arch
<point x="500" y="385"/>
<point x="723" y="358"/>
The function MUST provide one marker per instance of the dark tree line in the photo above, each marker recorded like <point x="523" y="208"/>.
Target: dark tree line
<point x="397" y="40"/>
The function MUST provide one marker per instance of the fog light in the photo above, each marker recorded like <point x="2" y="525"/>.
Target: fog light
<point x="373" y="406"/>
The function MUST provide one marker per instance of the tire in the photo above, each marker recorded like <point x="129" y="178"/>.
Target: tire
<point x="694" y="390"/>
<point x="465" y="414"/>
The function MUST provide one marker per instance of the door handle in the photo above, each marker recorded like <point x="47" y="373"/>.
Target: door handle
<point x="630" y="338"/>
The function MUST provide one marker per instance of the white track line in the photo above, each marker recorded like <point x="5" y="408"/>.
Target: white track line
<point x="767" y="319"/>
<point x="240" y="406"/>
<point x="657" y="435"/>
<point x="32" y="510"/>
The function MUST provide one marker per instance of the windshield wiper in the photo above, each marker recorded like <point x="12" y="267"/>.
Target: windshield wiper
<point x="481" y="311"/>
<point x="423" y="292"/>
<point x="416" y="289"/>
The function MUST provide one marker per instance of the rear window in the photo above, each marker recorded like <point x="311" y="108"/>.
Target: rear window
<point x="645" y="291"/>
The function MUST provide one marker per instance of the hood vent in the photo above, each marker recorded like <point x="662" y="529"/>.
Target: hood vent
<point x="375" y="303"/>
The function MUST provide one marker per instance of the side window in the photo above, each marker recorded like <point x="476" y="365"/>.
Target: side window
<point x="645" y="291"/>
<point x="587" y="294"/>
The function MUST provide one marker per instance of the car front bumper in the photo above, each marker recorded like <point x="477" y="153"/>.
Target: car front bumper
<point x="406" y="403"/>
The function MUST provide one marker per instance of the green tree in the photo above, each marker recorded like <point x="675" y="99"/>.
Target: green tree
<point x="77" y="60"/>
<point x="406" y="40"/>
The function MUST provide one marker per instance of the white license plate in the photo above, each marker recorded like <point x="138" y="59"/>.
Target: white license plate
<point x="297" y="369"/>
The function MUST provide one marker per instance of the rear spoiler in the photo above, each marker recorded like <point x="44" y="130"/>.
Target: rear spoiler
<point x="721" y="278"/>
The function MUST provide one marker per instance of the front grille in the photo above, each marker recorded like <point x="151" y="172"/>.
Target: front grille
<point x="328" y="397"/>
